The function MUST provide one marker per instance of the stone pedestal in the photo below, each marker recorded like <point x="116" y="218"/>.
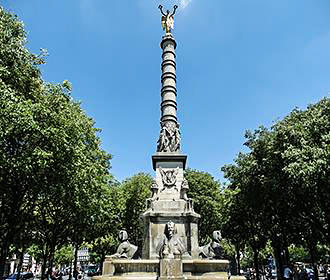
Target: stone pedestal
<point x="171" y="269"/>
<point x="170" y="205"/>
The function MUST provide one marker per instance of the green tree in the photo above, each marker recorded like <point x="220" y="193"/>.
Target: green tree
<point x="63" y="256"/>
<point x="107" y="224"/>
<point x="52" y="166"/>
<point x="246" y="221"/>
<point x="283" y="180"/>
<point x="208" y="201"/>
<point x="231" y="227"/>
<point x="21" y="160"/>
<point x="133" y="194"/>
<point x="303" y="141"/>
<point x="76" y="170"/>
<point x="122" y="205"/>
<point x="298" y="254"/>
<point x="295" y="178"/>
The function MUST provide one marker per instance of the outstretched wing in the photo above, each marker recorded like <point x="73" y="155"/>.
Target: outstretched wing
<point x="163" y="22"/>
<point x="172" y="22"/>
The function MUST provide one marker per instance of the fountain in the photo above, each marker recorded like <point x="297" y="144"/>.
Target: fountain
<point x="170" y="249"/>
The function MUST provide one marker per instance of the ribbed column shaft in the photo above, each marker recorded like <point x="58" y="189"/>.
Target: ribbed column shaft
<point x="168" y="79"/>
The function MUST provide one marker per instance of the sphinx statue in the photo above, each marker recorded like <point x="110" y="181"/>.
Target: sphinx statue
<point x="125" y="250"/>
<point x="213" y="250"/>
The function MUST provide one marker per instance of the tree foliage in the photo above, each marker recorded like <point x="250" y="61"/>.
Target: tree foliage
<point x="52" y="166"/>
<point x="206" y="194"/>
<point x="122" y="206"/>
<point x="64" y="255"/>
<point x="134" y="191"/>
<point x="282" y="183"/>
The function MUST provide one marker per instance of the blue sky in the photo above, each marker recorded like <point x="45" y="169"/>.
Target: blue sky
<point x="240" y="64"/>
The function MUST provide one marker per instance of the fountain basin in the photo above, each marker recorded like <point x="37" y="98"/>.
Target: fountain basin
<point x="194" y="269"/>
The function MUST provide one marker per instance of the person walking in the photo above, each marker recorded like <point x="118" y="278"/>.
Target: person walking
<point x="287" y="273"/>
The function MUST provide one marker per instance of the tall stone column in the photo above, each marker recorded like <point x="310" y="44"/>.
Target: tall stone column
<point x="168" y="79"/>
<point x="170" y="136"/>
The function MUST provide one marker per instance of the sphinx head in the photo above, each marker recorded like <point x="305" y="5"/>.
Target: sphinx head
<point x="123" y="236"/>
<point x="170" y="229"/>
<point x="216" y="236"/>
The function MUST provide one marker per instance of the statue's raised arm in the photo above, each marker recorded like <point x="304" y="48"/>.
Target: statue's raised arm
<point x="174" y="9"/>
<point x="160" y="7"/>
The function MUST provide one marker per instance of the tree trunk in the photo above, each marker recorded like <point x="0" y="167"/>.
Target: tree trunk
<point x="44" y="263"/>
<point x="312" y="250"/>
<point x="278" y="261"/>
<point x="75" y="272"/>
<point x="101" y="262"/>
<point x="256" y="262"/>
<point x="20" y="263"/>
<point x="238" y="259"/>
<point x="3" y="257"/>
<point x="286" y="256"/>
<point x="50" y="260"/>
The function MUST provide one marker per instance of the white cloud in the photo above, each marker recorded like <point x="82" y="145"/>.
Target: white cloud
<point x="184" y="3"/>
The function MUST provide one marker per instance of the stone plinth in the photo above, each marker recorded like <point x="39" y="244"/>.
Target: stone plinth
<point x="170" y="204"/>
<point x="166" y="162"/>
<point x="168" y="158"/>
<point x="171" y="269"/>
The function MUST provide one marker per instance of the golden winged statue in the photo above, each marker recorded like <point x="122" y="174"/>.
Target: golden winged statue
<point x="167" y="19"/>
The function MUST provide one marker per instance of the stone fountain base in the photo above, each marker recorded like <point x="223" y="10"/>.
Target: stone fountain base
<point x="175" y="269"/>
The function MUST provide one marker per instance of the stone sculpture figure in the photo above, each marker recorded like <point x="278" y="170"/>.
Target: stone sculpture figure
<point x="154" y="190"/>
<point x="169" y="138"/>
<point x="154" y="196"/>
<point x="125" y="250"/>
<point x="167" y="19"/>
<point x="189" y="202"/>
<point x="177" y="138"/>
<point x="213" y="250"/>
<point x="184" y="189"/>
<point x="163" y="141"/>
<point x="170" y="246"/>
